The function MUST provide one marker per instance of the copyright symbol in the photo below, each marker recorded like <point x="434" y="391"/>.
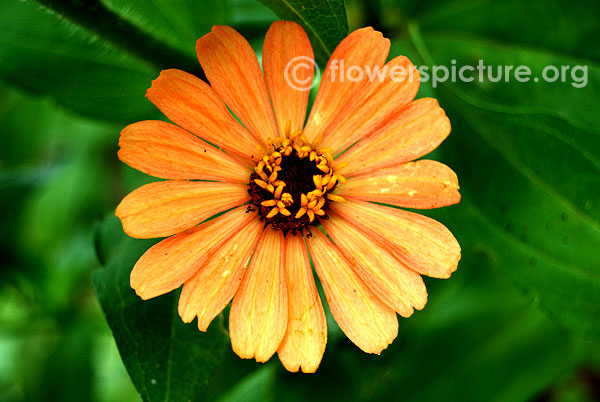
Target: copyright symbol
<point x="297" y="73"/>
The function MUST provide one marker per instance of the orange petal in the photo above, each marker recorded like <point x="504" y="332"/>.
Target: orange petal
<point x="258" y="316"/>
<point x="364" y="318"/>
<point x="165" y="208"/>
<point x="234" y="73"/>
<point x="394" y="85"/>
<point x="363" y="48"/>
<point x="413" y="131"/>
<point x="288" y="84"/>
<point x="399" y="287"/>
<point x="166" y="265"/>
<point x="306" y="334"/>
<point x="211" y="288"/>
<point x="193" y="105"/>
<point x="163" y="150"/>
<point x="421" y="184"/>
<point x="421" y="243"/>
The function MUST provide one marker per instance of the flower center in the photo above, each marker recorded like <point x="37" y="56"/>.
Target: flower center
<point x="294" y="181"/>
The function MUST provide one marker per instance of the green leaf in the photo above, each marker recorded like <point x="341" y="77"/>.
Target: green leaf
<point x="528" y="164"/>
<point x="562" y="26"/>
<point x="324" y="21"/>
<point x="98" y="58"/>
<point x="477" y="339"/>
<point x="177" y="24"/>
<point x="47" y="54"/>
<point x="166" y="359"/>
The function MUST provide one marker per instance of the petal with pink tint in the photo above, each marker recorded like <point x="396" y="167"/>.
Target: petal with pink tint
<point x="164" y="150"/>
<point x="421" y="243"/>
<point x="365" y="319"/>
<point x="193" y="105"/>
<point x="288" y="62"/>
<point x="165" y="208"/>
<point x="362" y="49"/>
<point x="258" y="316"/>
<point x="212" y="287"/>
<point x="399" y="287"/>
<point x="306" y="335"/>
<point x="411" y="132"/>
<point x="422" y="184"/>
<point x="168" y="264"/>
<point x="234" y="73"/>
<point x="389" y="90"/>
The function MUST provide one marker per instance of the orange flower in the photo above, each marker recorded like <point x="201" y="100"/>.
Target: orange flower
<point x="277" y="179"/>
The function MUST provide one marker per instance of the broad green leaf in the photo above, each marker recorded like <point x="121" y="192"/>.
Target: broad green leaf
<point x="178" y="24"/>
<point x="561" y="26"/>
<point x="477" y="339"/>
<point x="167" y="360"/>
<point x="571" y="96"/>
<point x="323" y="20"/>
<point x="47" y="54"/>
<point x="530" y="178"/>
<point x="99" y="58"/>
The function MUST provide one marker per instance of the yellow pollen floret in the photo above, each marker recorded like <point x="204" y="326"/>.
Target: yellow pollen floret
<point x="335" y="197"/>
<point x="287" y="199"/>
<point x="279" y="190"/>
<point x="268" y="168"/>
<point x="261" y="183"/>
<point x="300" y="212"/>
<point x="318" y="180"/>
<point x="272" y="213"/>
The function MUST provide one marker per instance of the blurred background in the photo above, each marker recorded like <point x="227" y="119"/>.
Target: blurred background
<point x="518" y="321"/>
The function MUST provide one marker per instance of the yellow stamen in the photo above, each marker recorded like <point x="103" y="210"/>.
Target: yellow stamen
<point x="314" y="194"/>
<point x="335" y="197"/>
<point x="332" y="182"/>
<point x="323" y="168"/>
<point x="300" y="212"/>
<point x="287" y="199"/>
<point x="278" y="191"/>
<point x="261" y="183"/>
<point x="311" y="215"/>
<point x="263" y="176"/>
<point x="303" y="200"/>
<point x="317" y="179"/>
<point x="269" y="203"/>
<point x="284" y="212"/>
<point x="272" y="213"/>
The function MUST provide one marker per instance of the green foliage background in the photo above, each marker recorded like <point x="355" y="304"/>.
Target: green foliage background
<point x="518" y="321"/>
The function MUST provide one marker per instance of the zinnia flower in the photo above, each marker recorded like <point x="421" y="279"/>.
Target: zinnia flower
<point x="276" y="179"/>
